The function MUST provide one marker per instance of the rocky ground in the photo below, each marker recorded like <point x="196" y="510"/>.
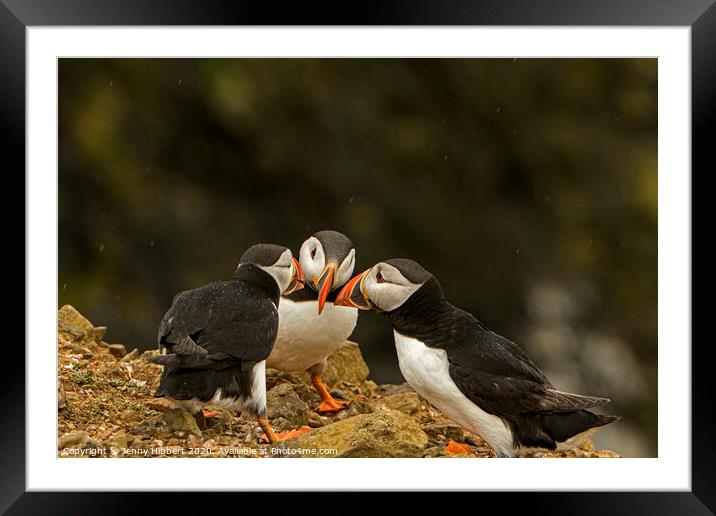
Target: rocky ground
<point x="106" y="409"/>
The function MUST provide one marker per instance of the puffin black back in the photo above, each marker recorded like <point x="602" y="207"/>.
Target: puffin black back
<point x="260" y="279"/>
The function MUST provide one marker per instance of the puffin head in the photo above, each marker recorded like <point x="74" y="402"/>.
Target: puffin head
<point x="327" y="259"/>
<point x="385" y="286"/>
<point x="279" y="263"/>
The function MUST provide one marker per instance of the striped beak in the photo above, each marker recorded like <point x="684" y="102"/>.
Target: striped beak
<point x="324" y="284"/>
<point x="353" y="294"/>
<point x="298" y="280"/>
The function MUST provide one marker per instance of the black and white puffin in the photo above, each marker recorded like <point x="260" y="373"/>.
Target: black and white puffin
<point x="479" y="379"/>
<point x="310" y="327"/>
<point x="215" y="339"/>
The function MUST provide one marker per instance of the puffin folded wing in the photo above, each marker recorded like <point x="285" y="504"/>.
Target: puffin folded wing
<point x="539" y="415"/>
<point x="499" y="394"/>
<point x="558" y="401"/>
<point x="187" y="354"/>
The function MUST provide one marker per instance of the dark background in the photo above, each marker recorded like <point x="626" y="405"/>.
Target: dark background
<point x="528" y="187"/>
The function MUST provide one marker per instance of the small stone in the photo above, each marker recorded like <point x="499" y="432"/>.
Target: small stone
<point x="355" y="408"/>
<point x="117" y="441"/>
<point x="446" y="431"/>
<point x="474" y="440"/>
<point x="389" y="389"/>
<point x="317" y="421"/>
<point x="339" y="394"/>
<point x="132" y="355"/>
<point x="98" y="333"/>
<point x="73" y="439"/>
<point x="283" y="402"/>
<point x="435" y="451"/>
<point x="149" y="354"/>
<point x="406" y="402"/>
<point x="194" y="441"/>
<point x="136" y="383"/>
<point x="118" y="350"/>
<point x="181" y="423"/>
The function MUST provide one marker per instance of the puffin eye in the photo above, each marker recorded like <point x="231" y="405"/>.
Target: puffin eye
<point x="313" y="252"/>
<point x="379" y="278"/>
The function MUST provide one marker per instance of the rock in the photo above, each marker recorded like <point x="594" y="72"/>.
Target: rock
<point x="356" y="407"/>
<point x="73" y="440"/>
<point x="389" y="389"/>
<point x="387" y="433"/>
<point x="339" y="394"/>
<point x="118" y="442"/>
<point x="275" y="377"/>
<point x="98" y="333"/>
<point x="61" y="403"/>
<point x="194" y="442"/>
<point x="586" y="449"/>
<point x="132" y="355"/>
<point x="149" y="354"/>
<point x="435" y="451"/>
<point x="448" y="431"/>
<point x="118" y="350"/>
<point x="181" y="423"/>
<point x="317" y="421"/>
<point x="406" y="402"/>
<point x="283" y="402"/>
<point x="346" y="364"/>
<point x="73" y="325"/>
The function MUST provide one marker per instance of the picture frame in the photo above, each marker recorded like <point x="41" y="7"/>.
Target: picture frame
<point x="17" y="15"/>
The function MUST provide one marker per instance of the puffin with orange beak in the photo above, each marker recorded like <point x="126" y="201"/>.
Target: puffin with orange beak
<point x="477" y="378"/>
<point x="311" y="326"/>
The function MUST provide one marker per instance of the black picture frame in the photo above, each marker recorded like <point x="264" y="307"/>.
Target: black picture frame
<point x="17" y="15"/>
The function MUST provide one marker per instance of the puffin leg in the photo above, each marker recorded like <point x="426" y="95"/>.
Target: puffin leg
<point x="328" y="405"/>
<point x="268" y="431"/>
<point x="202" y="416"/>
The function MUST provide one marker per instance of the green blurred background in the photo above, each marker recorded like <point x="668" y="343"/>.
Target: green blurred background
<point x="527" y="186"/>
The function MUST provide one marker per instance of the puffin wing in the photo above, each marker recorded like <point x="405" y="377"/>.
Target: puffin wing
<point x="219" y="324"/>
<point x="499" y="376"/>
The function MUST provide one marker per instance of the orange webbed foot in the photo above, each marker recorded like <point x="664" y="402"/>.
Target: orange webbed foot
<point x="288" y="434"/>
<point x="332" y="406"/>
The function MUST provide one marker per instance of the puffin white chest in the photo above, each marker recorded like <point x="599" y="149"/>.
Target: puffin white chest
<point x="306" y="338"/>
<point x="427" y="371"/>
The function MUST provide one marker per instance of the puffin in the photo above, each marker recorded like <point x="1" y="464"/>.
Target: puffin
<point x="215" y="339"/>
<point x="481" y="380"/>
<point x="310" y="326"/>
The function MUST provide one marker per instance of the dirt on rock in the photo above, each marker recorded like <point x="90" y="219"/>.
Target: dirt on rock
<point x="106" y="408"/>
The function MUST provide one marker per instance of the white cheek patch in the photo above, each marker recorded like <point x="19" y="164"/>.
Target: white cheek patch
<point x="282" y="275"/>
<point x="312" y="265"/>
<point x="345" y="271"/>
<point x="393" y="291"/>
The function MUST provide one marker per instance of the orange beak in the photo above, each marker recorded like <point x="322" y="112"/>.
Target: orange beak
<point x="298" y="279"/>
<point x="324" y="284"/>
<point x="353" y="295"/>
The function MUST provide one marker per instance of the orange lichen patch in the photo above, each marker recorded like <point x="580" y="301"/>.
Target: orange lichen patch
<point x="455" y="448"/>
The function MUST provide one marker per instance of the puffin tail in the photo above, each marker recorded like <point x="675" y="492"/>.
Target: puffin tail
<point x="184" y="383"/>
<point x="572" y="427"/>
<point x="561" y="429"/>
